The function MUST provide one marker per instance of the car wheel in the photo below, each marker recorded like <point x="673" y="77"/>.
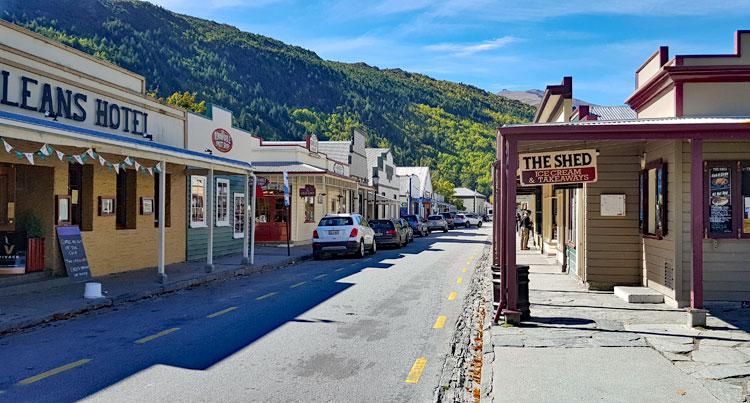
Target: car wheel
<point x="373" y="248"/>
<point x="361" y="252"/>
<point x="479" y="225"/>
<point x="316" y="256"/>
<point x="445" y="229"/>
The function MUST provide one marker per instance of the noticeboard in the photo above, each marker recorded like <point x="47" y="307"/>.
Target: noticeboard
<point x="720" y="200"/>
<point x="73" y="253"/>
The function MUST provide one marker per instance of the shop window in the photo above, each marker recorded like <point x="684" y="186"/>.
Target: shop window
<point x="309" y="209"/>
<point x="7" y="193"/>
<point x="222" y="203"/>
<point x="262" y="209"/>
<point x="80" y="189"/>
<point x="167" y="200"/>
<point x="279" y="210"/>
<point x="727" y="203"/>
<point x="127" y="205"/>
<point x="239" y="215"/>
<point x="197" y="201"/>
<point x="654" y="200"/>
<point x="572" y="218"/>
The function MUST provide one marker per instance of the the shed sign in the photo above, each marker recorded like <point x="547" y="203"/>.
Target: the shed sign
<point x="558" y="167"/>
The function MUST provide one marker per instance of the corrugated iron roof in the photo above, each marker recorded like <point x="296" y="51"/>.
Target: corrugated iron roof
<point x="290" y="166"/>
<point x="654" y="121"/>
<point x="465" y="192"/>
<point x="621" y="112"/>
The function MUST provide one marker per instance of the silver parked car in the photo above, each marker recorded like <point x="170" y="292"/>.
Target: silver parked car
<point x="437" y="223"/>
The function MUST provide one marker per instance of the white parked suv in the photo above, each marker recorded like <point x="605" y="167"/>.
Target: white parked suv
<point x="343" y="234"/>
<point x="473" y="219"/>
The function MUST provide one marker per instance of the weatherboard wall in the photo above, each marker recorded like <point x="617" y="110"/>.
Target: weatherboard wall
<point x="224" y="241"/>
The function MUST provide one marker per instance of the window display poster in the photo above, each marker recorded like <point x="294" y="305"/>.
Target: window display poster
<point x="746" y="216"/>
<point x="720" y="200"/>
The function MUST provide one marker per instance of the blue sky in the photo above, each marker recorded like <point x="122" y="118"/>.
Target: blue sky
<point x="498" y="44"/>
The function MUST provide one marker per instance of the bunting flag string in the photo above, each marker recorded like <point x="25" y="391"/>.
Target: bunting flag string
<point x="47" y="150"/>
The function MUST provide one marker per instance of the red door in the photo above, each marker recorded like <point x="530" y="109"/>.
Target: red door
<point x="270" y="219"/>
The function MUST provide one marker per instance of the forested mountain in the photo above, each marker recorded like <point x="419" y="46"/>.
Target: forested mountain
<point x="280" y="91"/>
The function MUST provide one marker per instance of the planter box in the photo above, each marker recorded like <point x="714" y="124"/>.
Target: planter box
<point x="35" y="255"/>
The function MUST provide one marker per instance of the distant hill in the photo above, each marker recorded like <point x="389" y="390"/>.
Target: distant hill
<point x="279" y="91"/>
<point x="533" y="97"/>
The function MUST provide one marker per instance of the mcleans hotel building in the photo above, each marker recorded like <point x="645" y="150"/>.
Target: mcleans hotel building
<point x="670" y="207"/>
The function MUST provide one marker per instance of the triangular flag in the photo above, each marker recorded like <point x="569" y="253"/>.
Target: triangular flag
<point x="8" y="147"/>
<point x="137" y="166"/>
<point x="102" y="160"/>
<point x="60" y="154"/>
<point x="150" y="171"/>
<point x="116" y="167"/>
<point x="157" y="168"/>
<point x="127" y="161"/>
<point x="91" y="153"/>
<point x="78" y="159"/>
<point x="30" y="157"/>
<point x="45" y="150"/>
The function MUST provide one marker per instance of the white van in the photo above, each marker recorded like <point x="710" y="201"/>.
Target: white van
<point x="490" y="210"/>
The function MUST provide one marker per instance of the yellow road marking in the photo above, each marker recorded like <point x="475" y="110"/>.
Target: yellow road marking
<point x="157" y="335"/>
<point x="222" y="312"/>
<point x="440" y="322"/>
<point x="53" y="372"/>
<point x="469" y="261"/>
<point x="459" y="280"/>
<point x="298" y="284"/>
<point x="270" y="294"/>
<point x="464" y="270"/>
<point x="320" y="276"/>
<point x="416" y="370"/>
<point x="452" y="296"/>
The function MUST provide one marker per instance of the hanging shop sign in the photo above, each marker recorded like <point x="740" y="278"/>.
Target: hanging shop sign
<point x="262" y="181"/>
<point x="558" y="167"/>
<point x="307" y="191"/>
<point x="222" y="140"/>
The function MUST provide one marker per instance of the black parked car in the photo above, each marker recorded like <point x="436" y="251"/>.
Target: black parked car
<point x="390" y="232"/>
<point x="417" y="224"/>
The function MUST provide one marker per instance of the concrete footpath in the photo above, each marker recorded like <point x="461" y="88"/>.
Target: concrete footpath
<point x="591" y="346"/>
<point x="30" y="304"/>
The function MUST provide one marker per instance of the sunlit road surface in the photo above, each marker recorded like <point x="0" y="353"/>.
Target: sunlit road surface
<point x="342" y="329"/>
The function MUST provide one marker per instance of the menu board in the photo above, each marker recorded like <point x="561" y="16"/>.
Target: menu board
<point x="73" y="253"/>
<point x="720" y="200"/>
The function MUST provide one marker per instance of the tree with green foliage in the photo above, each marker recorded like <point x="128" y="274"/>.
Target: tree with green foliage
<point x="187" y="101"/>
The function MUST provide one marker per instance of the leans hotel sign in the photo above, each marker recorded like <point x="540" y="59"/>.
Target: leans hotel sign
<point x="31" y="94"/>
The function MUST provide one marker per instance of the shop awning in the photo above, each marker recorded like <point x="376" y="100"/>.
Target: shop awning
<point x="29" y="128"/>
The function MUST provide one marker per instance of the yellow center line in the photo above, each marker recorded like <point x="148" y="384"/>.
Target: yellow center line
<point x="452" y="296"/>
<point x="53" y="372"/>
<point x="320" y="276"/>
<point x="416" y="370"/>
<point x="440" y="322"/>
<point x="459" y="280"/>
<point x="464" y="270"/>
<point x="298" y="284"/>
<point x="222" y="312"/>
<point x="156" y="336"/>
<point x="270" y="294"/>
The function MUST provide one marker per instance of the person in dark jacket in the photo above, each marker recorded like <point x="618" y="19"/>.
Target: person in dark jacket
<point x="526" y="227"/>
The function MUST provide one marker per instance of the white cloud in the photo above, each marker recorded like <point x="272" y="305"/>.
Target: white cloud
<point x="458" y="49"/>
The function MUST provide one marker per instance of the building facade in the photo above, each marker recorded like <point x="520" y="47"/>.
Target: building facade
<point x="668" y="209"/>
<point x="384" y="180"/>
<point x="415" y="190"/>
<point x="474" y="202"/>
<point x="85" y="149"/>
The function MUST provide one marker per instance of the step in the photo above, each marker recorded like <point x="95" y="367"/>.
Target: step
<point x="639" y="295"/>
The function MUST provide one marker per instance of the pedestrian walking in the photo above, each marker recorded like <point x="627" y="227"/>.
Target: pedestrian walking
<point x="526" y="226"/>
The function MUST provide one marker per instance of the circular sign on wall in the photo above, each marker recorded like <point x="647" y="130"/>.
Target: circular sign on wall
<point x="222" y="140"/>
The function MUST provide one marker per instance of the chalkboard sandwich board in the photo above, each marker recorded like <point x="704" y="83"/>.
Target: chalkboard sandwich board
<point x="73" y="253"/>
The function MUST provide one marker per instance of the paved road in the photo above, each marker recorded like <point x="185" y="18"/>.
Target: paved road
<point x="336" y="330"/>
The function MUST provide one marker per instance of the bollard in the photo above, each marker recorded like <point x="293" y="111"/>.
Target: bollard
<point x="522" y="271"/>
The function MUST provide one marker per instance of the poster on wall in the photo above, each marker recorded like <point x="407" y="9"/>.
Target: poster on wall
<point x="720" y="200"/>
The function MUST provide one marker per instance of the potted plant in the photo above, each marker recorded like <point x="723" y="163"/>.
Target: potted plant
<point x="32" y="225"/>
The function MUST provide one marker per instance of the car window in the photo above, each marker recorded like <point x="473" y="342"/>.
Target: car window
<point x="435" y="217"/>
<point x="381" y="224"/>
<point x="335" y="221"/>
